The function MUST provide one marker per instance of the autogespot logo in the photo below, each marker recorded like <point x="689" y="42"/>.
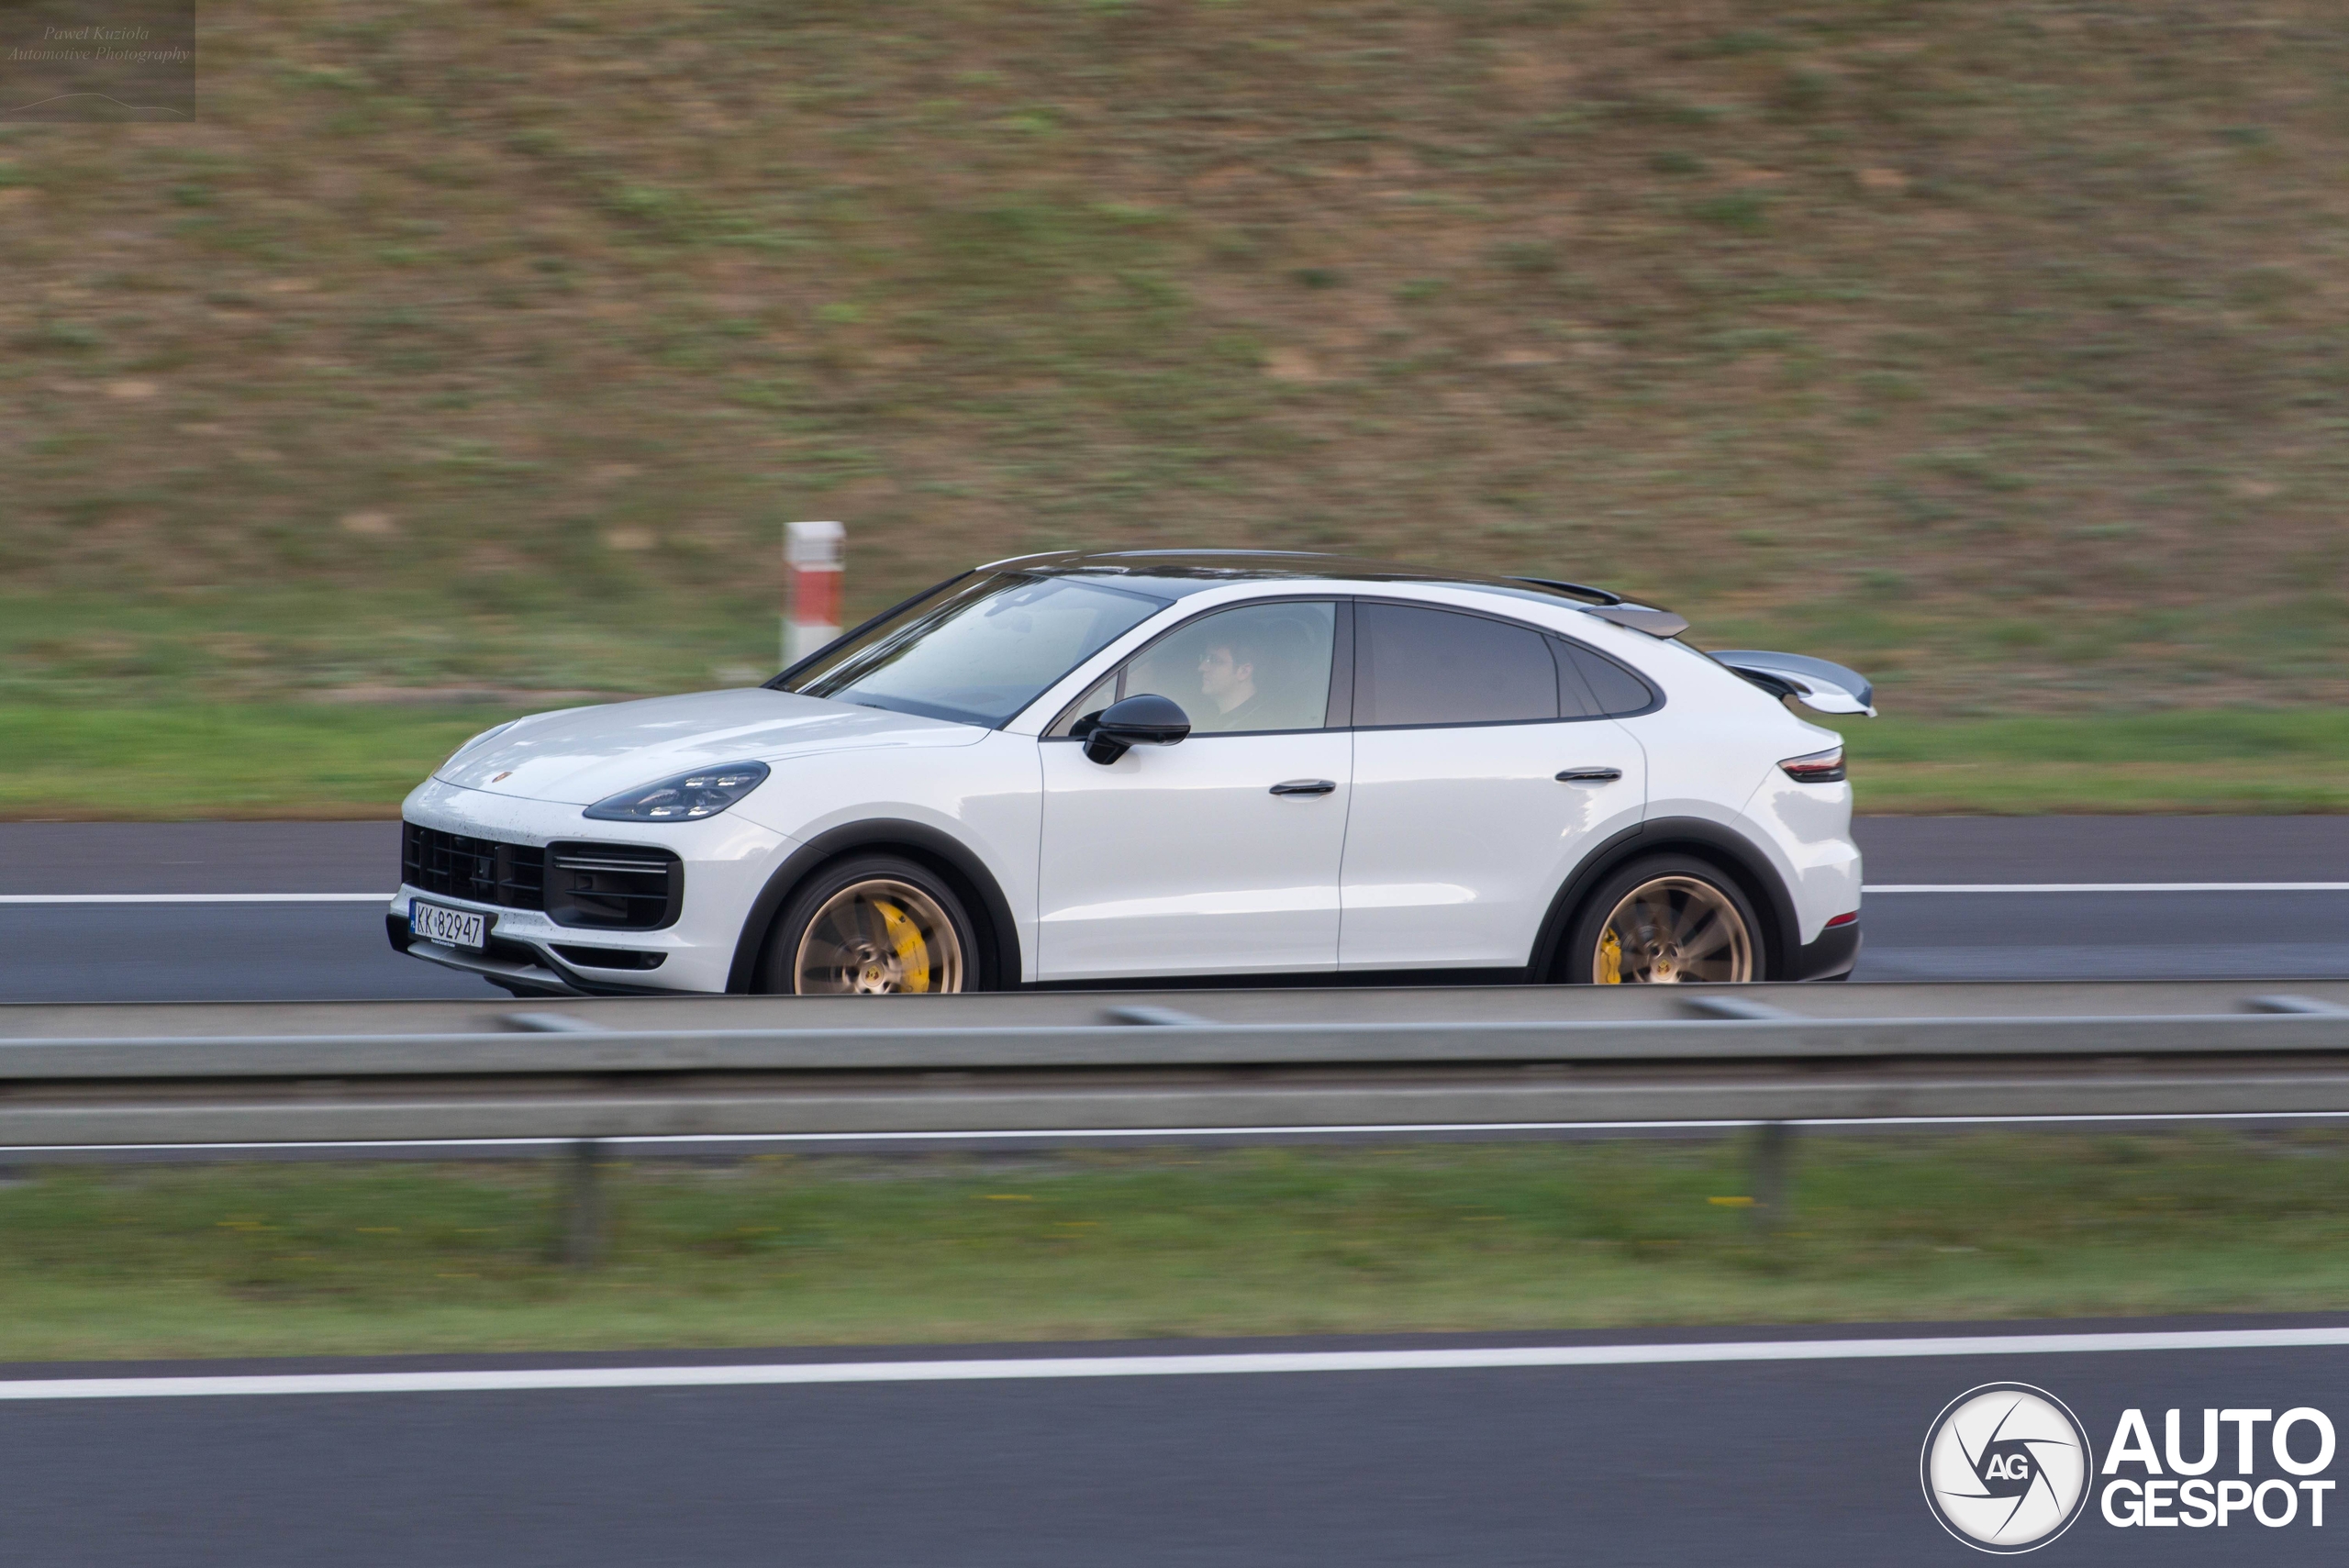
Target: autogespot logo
<point x="2007" y="1467"/>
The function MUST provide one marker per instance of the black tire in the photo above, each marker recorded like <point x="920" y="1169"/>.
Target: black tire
<point x="1580" y="959"/>
<point x="843" y="894"/>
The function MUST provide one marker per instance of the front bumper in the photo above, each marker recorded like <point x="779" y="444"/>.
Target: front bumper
<point x="726" y="862"/>
<point x="523" y="968"/>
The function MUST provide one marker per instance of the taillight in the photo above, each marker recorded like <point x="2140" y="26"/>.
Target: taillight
<point x="1820" y="767"/>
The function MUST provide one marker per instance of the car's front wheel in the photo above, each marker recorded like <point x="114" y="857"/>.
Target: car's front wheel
<point x="870" y="925"/>
<point x="1665" y="920"/>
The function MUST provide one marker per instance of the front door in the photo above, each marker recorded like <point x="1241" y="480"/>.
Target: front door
<point x="1218" y="854"/>
<point x="1482" y="774"/>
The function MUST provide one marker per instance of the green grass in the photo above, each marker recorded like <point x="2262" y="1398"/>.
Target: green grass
<point x="2235" y="761"/>
<point x="196" y="761"/>
<point x="315" y="759"/>
<point x="297" y="1259"/>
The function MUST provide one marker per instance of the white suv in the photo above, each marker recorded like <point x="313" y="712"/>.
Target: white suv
<point x="1102" y="768"/>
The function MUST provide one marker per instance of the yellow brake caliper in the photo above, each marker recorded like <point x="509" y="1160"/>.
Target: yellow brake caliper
<point x="906" y="938"/>
<point x="1610" y="959"/>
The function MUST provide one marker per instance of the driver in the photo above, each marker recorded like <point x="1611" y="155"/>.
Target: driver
<point x="1228" y="681"/>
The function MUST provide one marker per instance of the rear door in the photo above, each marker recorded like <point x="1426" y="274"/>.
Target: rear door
<point x="1219" y="854"/>
<point x="1482" y="772"/>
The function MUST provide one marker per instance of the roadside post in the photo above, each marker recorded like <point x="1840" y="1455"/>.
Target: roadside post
<point x="1772" y="1175"/>
<point x="811" y="579"/>
<point x="584" y="1230"/>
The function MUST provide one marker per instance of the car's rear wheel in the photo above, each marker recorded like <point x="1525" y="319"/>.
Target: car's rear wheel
<point x="1665" y="920"/>
<point x="873" y="925"/>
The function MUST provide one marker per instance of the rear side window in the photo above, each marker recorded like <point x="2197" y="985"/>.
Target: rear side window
<point x="1424" y="666"/>
<point x="1614" y="690"/>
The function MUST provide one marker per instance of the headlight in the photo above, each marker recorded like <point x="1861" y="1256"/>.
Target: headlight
<point x="687" y="797"/>
<point x="492" y="730"/>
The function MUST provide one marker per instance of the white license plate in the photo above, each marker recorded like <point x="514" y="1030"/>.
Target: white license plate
<point x="438" y="923"/>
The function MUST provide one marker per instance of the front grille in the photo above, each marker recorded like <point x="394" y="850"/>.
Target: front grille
<point x="512" y="876"/>
<point x="615" y="887"/>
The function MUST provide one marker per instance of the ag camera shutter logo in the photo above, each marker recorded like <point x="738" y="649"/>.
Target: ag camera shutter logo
<point x="2006" y="1467"/>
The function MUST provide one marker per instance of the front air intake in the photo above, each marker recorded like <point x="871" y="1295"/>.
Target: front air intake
<point x="485" y="871"/>
<point x="613" y="887"/>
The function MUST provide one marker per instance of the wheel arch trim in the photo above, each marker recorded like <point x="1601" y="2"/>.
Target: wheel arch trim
<point x="999" y="959"/>
<point x="1737" y="855"/>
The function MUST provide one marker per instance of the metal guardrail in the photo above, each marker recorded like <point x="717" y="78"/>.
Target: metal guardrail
<point x="1069" y="1066"/>
<point x="363" y="1080"/>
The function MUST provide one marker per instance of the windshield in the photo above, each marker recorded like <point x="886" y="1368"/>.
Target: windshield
<point x="980" y="654"/>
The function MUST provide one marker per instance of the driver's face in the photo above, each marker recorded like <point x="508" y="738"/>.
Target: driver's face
<point x="1217" y="673"/>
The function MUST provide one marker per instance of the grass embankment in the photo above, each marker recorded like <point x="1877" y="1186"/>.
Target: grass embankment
<point x="1997" y="349"/>
<point x="293" y="1260"/>
<point x="266" y="760"/>
<point x="294" y="760"/>
<point x="2178" y="761"/>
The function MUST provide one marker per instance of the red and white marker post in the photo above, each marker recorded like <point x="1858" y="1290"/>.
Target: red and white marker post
<point x="811" y="588"/>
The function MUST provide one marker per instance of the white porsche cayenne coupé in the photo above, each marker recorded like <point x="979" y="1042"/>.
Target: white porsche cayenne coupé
<point x="1084" y="769"/>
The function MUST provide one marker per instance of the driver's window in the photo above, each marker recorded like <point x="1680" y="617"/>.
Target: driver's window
<point x="1256" y="667"/>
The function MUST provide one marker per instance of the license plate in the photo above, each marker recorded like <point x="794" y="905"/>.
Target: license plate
<point x="438" y="923"/>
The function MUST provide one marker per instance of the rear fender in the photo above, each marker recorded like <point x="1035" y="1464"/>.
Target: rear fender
<point x="1737" y="856"/>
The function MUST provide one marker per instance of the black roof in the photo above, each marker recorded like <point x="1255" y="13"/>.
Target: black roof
<point x="1179" y="572"/>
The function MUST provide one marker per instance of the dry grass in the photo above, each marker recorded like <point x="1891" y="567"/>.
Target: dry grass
<point x="1998" y="348"/>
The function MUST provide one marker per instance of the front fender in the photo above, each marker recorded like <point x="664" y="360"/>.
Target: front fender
<point x="1001" y="962"/>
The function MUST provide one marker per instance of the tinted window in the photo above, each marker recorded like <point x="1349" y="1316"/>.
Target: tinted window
<point x="979" y="655"/>
<point x="1573" y="692"/>
<point x="1254" y="668"/>
<point x="1419" y="666"/>
<point x="1615" y="689"/>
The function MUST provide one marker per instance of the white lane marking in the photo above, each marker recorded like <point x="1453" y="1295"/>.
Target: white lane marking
<point x="2107" y="887"/>
<point x="195" y="899"/>
<point x="1099" y="1134"/>
<point x="1870" y="888"/>
<point x="1062" y="1367"/>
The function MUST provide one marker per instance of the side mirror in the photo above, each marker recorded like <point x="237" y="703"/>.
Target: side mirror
<point x="1148" y="720"/>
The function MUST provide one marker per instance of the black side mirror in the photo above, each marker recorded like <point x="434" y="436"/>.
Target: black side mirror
<point x="1148" y="720"/>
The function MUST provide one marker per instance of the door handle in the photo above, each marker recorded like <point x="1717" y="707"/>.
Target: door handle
<point x="1304" y="786"/>
<point x="1590" y="775"/>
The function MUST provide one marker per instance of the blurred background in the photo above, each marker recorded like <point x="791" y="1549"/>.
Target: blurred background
<point x="461" y="359"/>
<point x="467" y="359"/>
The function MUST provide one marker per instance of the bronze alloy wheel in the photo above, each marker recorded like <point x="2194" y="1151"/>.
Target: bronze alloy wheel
<point x="1673" y="931"/>
<point x="878" y="936"/>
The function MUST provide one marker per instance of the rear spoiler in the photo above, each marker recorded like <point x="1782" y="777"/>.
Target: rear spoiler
<point x="1814" y="683"/>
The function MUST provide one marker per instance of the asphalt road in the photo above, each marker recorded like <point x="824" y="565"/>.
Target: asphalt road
<point x="1755" y="1463"/>
<point x="314" y="951"/>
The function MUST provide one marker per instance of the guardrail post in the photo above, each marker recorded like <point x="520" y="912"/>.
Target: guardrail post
<point x="1773" y="1157"/>
<point x="585" y="1221"/>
